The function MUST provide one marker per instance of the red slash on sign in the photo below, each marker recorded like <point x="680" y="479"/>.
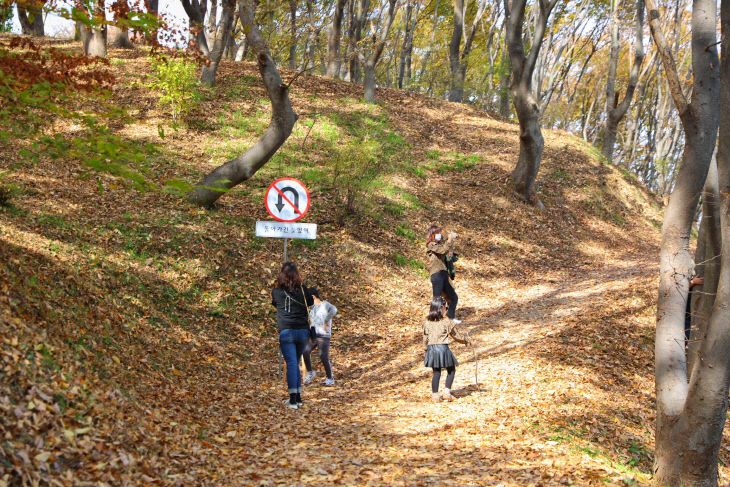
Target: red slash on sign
<point x="287" y="200"/>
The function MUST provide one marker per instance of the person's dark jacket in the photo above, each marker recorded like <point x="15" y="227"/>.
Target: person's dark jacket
<point x="291" y="312"/>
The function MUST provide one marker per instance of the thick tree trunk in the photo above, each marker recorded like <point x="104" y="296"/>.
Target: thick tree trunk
<point x="526" y="105"/>
<point x="333" y="40"/>
<point x="208" y="75"/>
<point x="94" y="41"/>
<point x="690" y="417"/>
<point x="119" y="38"/>
<point x="525" y="172"/>
<point x="280" y="127"/>
<point x="31" y="20"/>
<point x="369" y="82"/>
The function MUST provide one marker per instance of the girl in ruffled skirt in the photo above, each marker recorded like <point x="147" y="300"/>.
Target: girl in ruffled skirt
<point x="438" y="333"/>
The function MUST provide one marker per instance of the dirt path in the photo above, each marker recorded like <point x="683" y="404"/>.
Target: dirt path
<point x="528" y="422"/>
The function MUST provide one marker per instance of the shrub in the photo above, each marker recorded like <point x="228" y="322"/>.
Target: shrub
<point x="177" y="83"/>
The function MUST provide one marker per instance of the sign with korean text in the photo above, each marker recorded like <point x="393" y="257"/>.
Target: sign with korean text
<point x="287" y="200"/>
<point x="286" y="230"/>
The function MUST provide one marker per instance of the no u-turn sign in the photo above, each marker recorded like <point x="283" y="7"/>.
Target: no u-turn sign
<point x="287" y="200"/>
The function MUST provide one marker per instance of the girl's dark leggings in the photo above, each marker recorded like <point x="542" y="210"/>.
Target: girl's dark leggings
<point x="450" y="373"/>
<point x="323" y="344"/>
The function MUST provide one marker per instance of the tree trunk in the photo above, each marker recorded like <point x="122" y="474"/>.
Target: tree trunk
<point x="293" y="41"/>
<point x="456" y="88"/>
<point x="690" y="417"/>
<point x="707" y="263"/>
<point x="526" y="105"/>
<point x="119" y="38"/>
<point x="504" y="83"/>
<point x="280" y="127"/>
<point x="358" y="20"/>
<point x="525" y="172"/>
<point x="31" y="20"/>
<point x="333" y="40"/>
<point x="369" y="82"/>
<point x="94" y="42"/>
<point x="210" y="29"/>
<point x="377" y="51"/>
<point x="196" y="10"/>
<point x="407" y="44"/>
<point x="208" y="75"/>
<point x="615" y="112"/>
<point x="152" y="8"/>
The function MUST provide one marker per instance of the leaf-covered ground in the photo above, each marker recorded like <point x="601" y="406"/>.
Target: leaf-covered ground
<point x="138" y="345"/>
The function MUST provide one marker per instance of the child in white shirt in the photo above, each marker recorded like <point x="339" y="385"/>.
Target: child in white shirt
<point x="320" y="317"/>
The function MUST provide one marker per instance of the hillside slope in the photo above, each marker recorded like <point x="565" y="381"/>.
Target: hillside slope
<point x="138" y="341"/>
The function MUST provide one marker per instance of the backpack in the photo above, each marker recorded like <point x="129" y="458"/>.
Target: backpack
<point x="450" y="259"/>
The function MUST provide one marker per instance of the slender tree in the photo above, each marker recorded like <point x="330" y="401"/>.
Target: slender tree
<point x="457" y="53"/>
<point x="282" y="122"/>
<point x="615" y="111"/>
<point x="333" y="40"/>
<point x="525" y="103"/>
<point x="377" y="41"/>
<point x="222" y="38"/>
<point x="690" y="416"/>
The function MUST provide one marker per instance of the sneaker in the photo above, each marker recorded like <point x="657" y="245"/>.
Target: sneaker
<point x="435" y="397"/>
<point x="448" y="397"/>
<point x="308" y="378"/>
<point x="329" y="382"/>
<point x="457" y="322"/>
<point x="290" y="405"/>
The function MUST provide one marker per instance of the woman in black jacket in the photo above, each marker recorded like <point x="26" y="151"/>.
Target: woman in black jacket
<point x="291" y="299"/>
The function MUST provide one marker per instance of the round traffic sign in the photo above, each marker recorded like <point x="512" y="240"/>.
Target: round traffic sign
<point x="287" y="200"/>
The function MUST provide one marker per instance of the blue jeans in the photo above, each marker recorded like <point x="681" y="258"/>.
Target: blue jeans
<point x="292" y="343"/>
<point x="441" y="284"/>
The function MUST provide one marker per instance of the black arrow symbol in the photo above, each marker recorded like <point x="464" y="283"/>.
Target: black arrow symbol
<point x="280" y="202"/>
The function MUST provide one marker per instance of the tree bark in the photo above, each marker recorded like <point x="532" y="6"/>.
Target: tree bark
<point x="457" y="55"/>
<point x="690" y="417"/>
<point x="208" y="75"/>
<point x="526" y="105"/>
<point x="377" y="50"/>
<point x="333" y="40"/>
<point x="32" y="26"/>
<point x="293" y="41"/>
<point x="707" y="263"/>
<point x="119" y="38"/>
<point x="211" y="28"/>
<point x="283" y="118"/>
<point x="615" y="112"/>
<point x="94" y="40"/>
<point x="196" y="9"/>
<point x="404" y="64"/>
<point x="357" y="21"/>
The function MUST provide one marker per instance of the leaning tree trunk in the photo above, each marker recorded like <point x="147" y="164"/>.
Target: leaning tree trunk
<point x="333" y="40"/>
<point x="526" y="105"/>
<point x="207" y="77"/>
<point x="241" y="168"/>
<point x="690" y="417"/>
<point x="32" y="26"/>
